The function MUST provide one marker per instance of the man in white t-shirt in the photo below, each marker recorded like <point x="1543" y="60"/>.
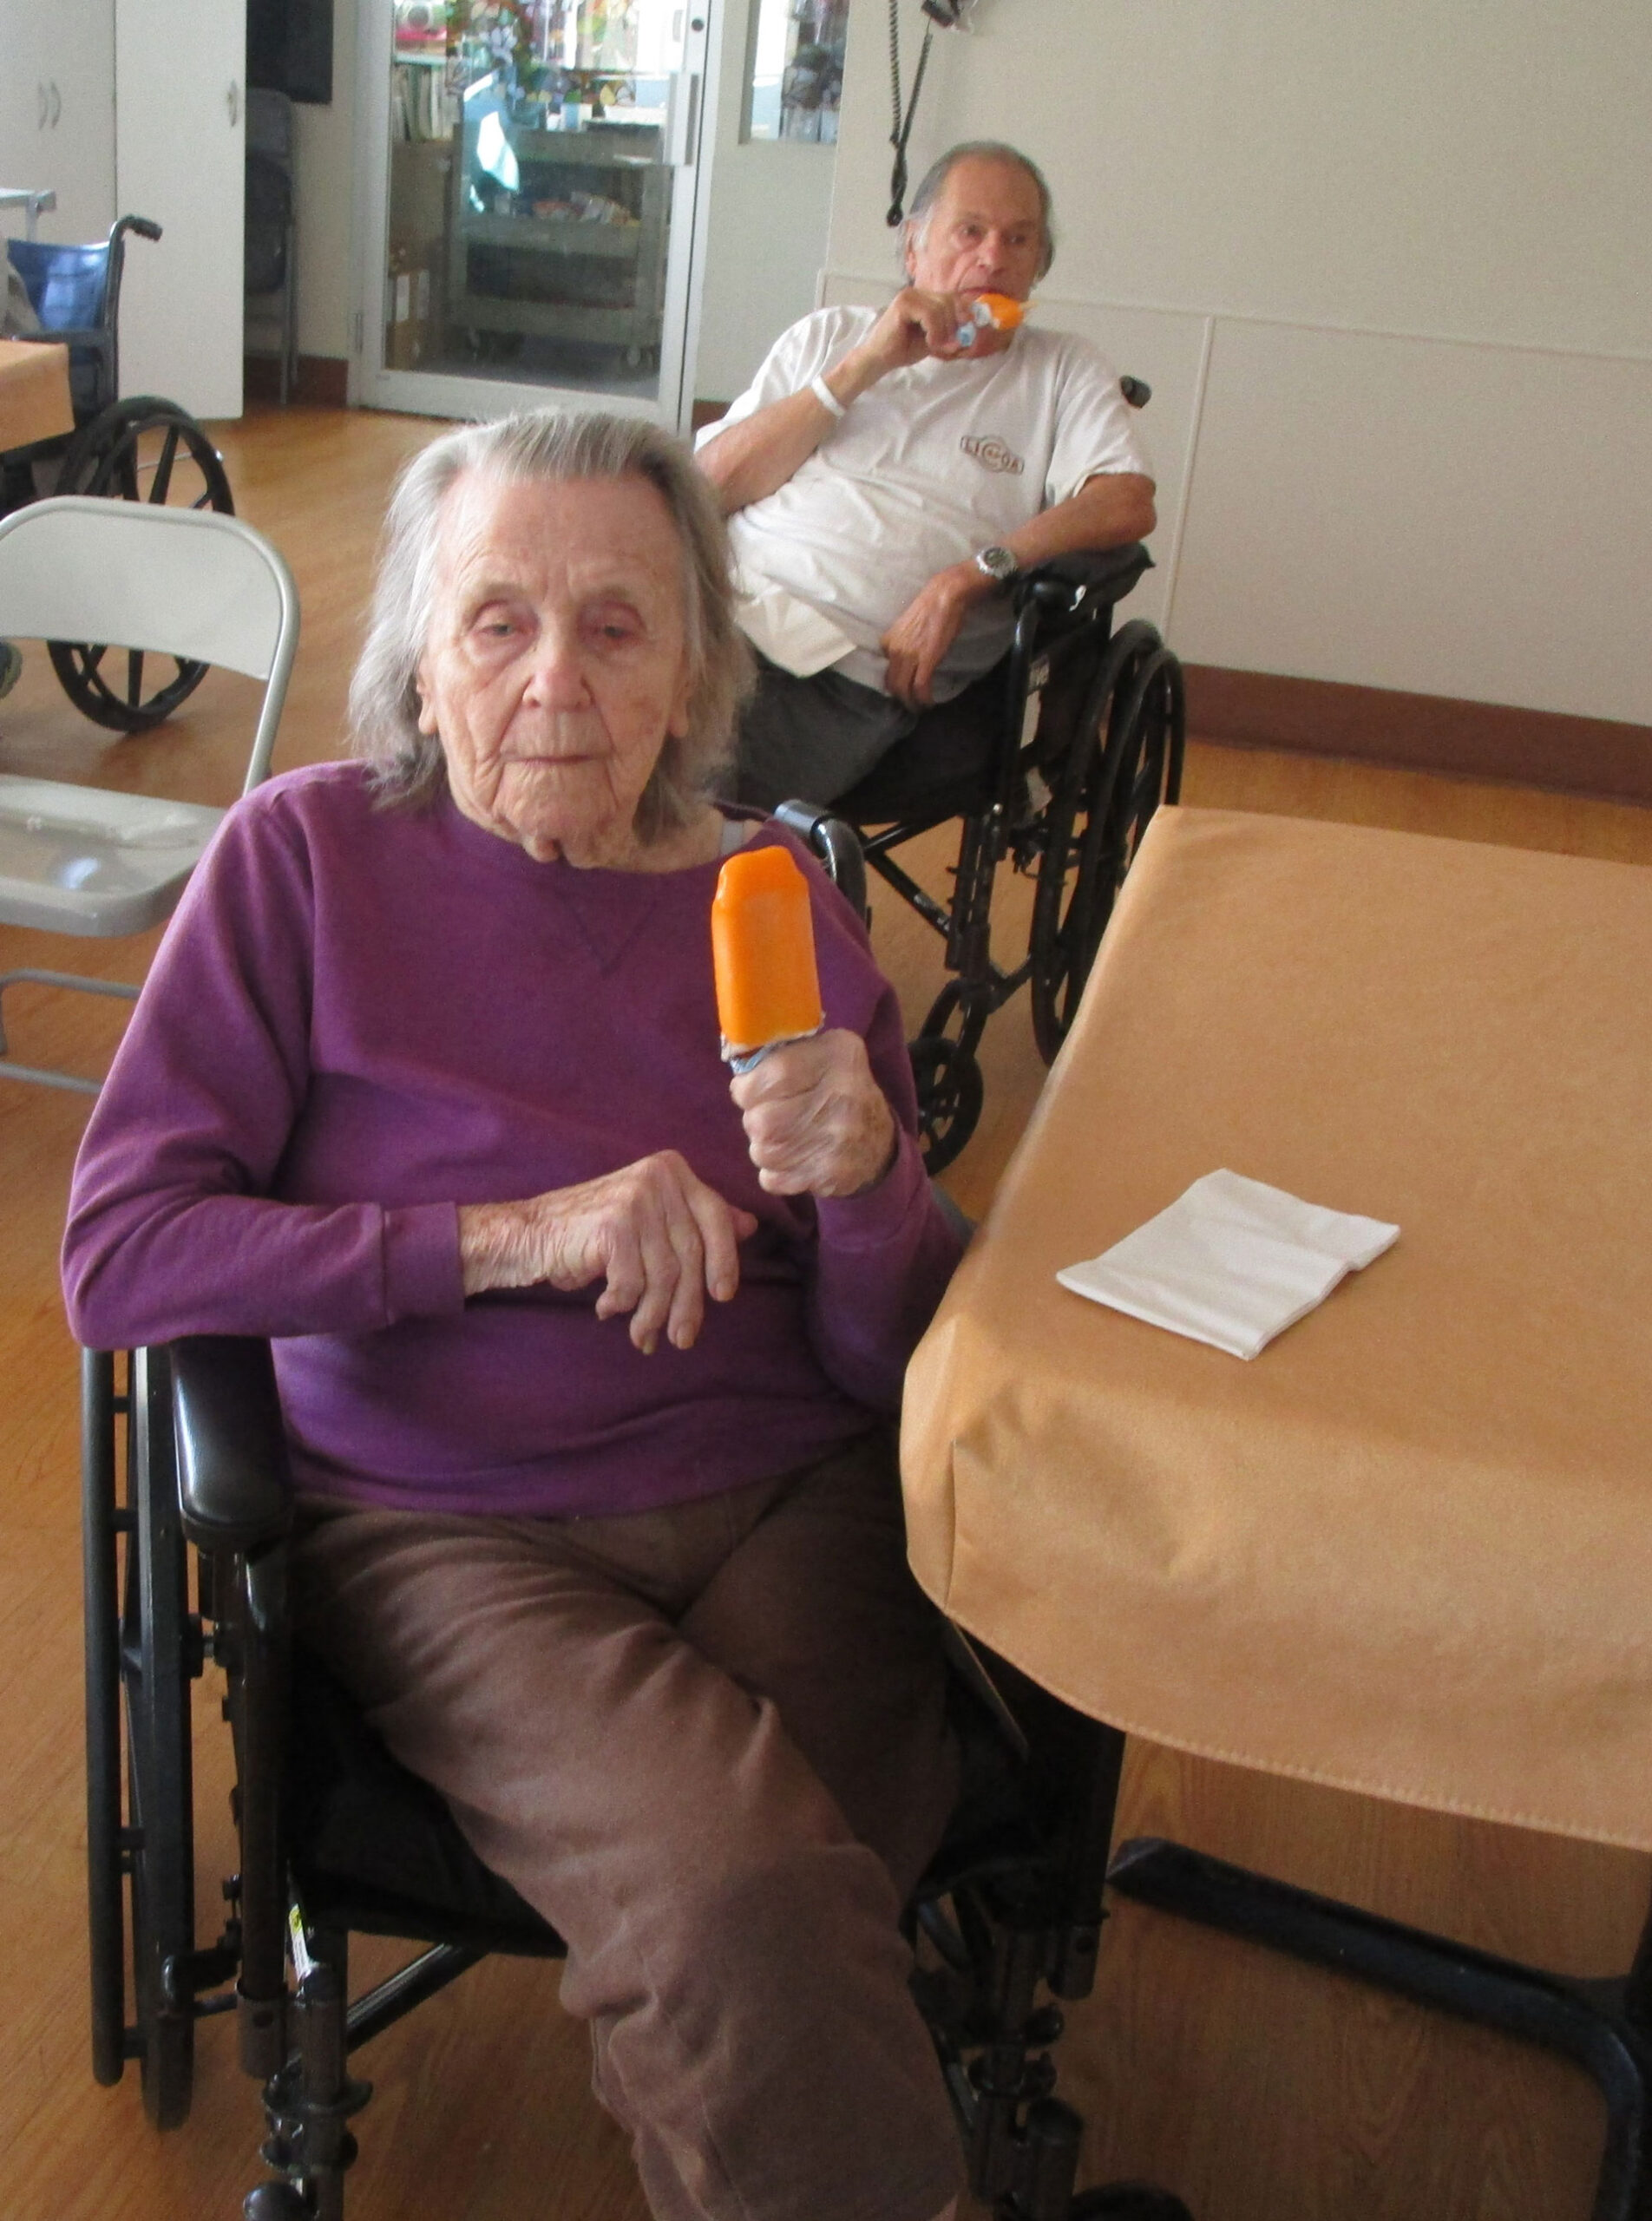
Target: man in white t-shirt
<point x="885" y="479"/>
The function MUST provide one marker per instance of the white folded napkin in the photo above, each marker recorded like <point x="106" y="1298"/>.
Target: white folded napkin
<point x="1232" y="1261"/>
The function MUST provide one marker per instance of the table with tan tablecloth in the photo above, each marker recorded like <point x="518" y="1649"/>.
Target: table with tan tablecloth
<point x="34" y="392"/>
<point x="1407" y="1550"/>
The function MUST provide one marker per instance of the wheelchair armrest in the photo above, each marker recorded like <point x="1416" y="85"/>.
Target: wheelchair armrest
<point x="836" y="844"/>
<point x="233" y="1478"/>
<point x="1105" y="574"/>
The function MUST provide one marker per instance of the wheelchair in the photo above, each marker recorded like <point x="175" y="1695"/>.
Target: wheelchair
<point x="140" y="449"/>
<point x="1056" y="759"/>
<point x="183" y="1454"/>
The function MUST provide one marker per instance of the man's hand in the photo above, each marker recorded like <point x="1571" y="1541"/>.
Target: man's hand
<point x="816" y="1121"/>
<point x="1108" y="511"/>
<point x="926" y="628"/>
<point x="750" y="460"/>
<point x="915" y="327"/>
<point x="659" y="1238"/>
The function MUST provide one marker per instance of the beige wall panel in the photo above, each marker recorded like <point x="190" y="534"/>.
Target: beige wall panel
<point x="324" y="156"/>
<point x="1447" y="519"/>
<point x="1453" y="167"/>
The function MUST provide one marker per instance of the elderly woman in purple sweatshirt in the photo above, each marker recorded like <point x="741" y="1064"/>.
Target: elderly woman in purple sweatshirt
<point x="587" y="1356"/>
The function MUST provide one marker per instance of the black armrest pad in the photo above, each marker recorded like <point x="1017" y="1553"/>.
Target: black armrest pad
<point x="1106" y="574"/>
<point x="233" y="1479"/>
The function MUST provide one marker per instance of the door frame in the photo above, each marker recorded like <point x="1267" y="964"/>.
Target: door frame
<point x="442" y="394"/>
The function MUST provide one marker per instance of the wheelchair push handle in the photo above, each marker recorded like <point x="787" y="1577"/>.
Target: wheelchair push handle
<point x="141" y="225"/>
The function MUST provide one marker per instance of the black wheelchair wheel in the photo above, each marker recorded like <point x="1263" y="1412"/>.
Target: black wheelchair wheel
<point x="104" y="1869"/>
<point x="950" y="1089"/>
<point x="160" y="1653"/>
<point x="1126" y="758"/>
<point x="139" y="450"/>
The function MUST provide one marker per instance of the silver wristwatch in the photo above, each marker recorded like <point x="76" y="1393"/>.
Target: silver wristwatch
<point x="998" y="564"/>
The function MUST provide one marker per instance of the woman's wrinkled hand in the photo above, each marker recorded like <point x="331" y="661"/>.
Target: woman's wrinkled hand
<point x="657" y="1237"/>
<point x="816" y="1121"/>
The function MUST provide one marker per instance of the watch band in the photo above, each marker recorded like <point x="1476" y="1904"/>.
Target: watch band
<point x="828" y="400"/>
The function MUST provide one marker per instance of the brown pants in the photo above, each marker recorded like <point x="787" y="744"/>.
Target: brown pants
<point x="708" y="1744"/>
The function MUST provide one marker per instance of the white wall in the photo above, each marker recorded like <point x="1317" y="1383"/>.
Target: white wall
<point x="765" y="220"/>
<point x="1387" y="271"/>
<point x="325" y="155"/>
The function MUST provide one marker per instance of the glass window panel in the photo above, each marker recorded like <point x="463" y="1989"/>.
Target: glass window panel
<point x="530" y="190"/>
<point x="796" y="74"/>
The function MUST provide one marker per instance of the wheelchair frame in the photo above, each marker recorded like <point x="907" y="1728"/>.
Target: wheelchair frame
<point x="1067" y="803"/>
<point x="105" y="455"/>
<point x="1011" y="1904"/>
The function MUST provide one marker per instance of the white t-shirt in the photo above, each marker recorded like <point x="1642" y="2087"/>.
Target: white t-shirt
<point x="931" y="463"/>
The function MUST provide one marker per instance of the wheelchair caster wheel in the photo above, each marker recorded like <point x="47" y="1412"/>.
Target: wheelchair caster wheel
<point x="1127" y="2202"/>
<point x="276" y="2202"/>
<point x="950" y="1095"/>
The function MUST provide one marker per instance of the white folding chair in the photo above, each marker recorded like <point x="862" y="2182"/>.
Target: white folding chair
<point x="185" y="583"/>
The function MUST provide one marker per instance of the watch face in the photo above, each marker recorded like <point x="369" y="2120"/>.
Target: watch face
<point x="998" y="563"/>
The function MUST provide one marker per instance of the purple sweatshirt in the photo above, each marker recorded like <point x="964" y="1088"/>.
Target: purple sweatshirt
<point x="362" y="1018"/>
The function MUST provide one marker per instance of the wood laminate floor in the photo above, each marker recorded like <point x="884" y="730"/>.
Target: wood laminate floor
<point x="1261" y="2092"/>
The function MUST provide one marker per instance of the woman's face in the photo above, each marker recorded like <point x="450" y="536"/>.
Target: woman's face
<point x="556" y="663"/>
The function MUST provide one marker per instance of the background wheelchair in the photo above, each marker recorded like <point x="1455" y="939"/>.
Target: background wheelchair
<point x="186" y="1452"/>
<point x="1057" y="758"/>
<point x="140" y="449"/>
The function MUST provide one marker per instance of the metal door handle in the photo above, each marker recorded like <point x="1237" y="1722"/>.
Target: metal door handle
<point x="232" y="100"/>
<point x="684" y="115"/>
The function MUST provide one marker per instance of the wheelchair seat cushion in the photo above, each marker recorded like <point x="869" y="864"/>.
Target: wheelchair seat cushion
<point x="377" y="1850"/>
<point x="944" y="766"/>
<point x="65" y="285"/>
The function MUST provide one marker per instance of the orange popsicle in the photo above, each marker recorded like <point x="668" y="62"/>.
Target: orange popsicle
<point x="997" y="310"/>
<point x="763" y="951"/>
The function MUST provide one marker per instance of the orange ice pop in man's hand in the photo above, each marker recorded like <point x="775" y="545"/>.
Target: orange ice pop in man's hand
<point x="763" y="951"/>
<point x="991" y="312"/>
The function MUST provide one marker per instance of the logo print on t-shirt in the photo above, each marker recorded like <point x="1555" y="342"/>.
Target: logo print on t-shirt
<point x="991" y="453"/>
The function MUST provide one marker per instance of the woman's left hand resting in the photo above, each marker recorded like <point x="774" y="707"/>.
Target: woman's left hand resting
<point x="657" y="1237"/>
<point x="816" y="1121"/>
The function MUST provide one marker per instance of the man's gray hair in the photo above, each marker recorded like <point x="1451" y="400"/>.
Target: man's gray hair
<point x="982" y="150"/>
<point x="548" y="445"/>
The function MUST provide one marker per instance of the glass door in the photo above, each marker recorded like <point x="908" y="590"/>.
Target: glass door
<point x="529" y="203"/>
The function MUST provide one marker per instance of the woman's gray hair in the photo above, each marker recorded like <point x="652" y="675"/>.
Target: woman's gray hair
<point x="981" y="150"/>
<point x="553" y="445"/>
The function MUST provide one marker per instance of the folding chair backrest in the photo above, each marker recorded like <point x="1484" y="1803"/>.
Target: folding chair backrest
<point x="181" y="582"/>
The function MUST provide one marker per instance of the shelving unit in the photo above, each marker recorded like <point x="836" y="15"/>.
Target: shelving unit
<point x="562" y="277"/>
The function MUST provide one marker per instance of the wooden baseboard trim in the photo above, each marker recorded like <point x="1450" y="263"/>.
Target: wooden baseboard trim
<point x="1421" y="732"/>
<point x="323" y="380"/>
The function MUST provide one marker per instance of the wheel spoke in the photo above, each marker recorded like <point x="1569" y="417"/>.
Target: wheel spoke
<point x="163" y="468"/>
<point x="116" y="466"/>
<point x="134" y="677"/>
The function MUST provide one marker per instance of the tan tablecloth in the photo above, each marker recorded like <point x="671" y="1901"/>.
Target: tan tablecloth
<point x="1408" y="1549"/>
<point x="34" y="392"/>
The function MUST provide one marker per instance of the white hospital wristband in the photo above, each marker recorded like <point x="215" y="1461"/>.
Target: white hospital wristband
<point x="828" y="400"/>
